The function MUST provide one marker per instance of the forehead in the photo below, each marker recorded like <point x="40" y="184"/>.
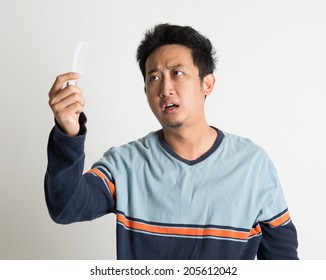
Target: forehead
<point x="169" y="55"/>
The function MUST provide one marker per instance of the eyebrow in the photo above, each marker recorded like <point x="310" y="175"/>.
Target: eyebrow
<point x="169" y="67"/>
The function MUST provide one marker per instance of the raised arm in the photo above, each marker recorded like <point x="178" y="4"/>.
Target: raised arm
<point x="70" y="195"/>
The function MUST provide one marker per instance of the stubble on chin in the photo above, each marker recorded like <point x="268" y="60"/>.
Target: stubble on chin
<point x="175" y="125"/>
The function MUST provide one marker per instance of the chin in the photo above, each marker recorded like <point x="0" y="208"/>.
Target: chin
<point x="174" y="125"/>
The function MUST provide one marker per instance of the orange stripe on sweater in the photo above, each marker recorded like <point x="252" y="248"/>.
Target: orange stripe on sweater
<point x="181" y="231"/>
<point x="280" y="220"/>
<point x="255" y="231"/>
<point x="109" y="183"/>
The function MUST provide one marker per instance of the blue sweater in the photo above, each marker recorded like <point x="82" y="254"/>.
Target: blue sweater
<point x="227" y="204"/>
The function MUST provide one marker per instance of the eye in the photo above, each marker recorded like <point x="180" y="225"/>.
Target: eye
<point x="153" y="78"/>
<point x="177" y="73"/>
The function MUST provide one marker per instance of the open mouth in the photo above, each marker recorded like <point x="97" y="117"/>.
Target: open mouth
<point x="170" y="107"/>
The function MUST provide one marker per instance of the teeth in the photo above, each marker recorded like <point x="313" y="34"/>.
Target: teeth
<point x="169" y="106"/>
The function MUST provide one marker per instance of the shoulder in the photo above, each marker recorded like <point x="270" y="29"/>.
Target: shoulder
<point x="140" y="146"/>
<point x="245" y="151"/>
<point x="133" y="154"/>
<point x="241" y="144"/>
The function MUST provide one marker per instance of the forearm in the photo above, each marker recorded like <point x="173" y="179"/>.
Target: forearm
<point x="70" y="195"/>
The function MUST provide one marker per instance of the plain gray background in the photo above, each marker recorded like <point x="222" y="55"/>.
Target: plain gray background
<point x="270" y="87"/>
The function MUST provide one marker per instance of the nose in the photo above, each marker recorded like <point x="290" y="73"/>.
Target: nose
<point x="167" y="87"/>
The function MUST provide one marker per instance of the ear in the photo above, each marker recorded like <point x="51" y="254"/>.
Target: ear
<point x="208" y="83"/>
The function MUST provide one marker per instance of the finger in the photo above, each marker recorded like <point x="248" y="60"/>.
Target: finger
<point x="62" y="94"/>
<point x="68" y="119"/>
<point x="61" y="80"/>
<point x="68" y="101"/>
<point x="69" y="113"/>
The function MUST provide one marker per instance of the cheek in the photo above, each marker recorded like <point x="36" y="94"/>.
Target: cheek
<point x="193" y="95"/>
<point x="153" y="103"/>
<point x="152" y="91"/>
<point x="195" y="103"/>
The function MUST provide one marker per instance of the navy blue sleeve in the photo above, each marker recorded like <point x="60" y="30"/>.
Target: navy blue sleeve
<point x="278" y="243"/>
<point x="70" y="195"/>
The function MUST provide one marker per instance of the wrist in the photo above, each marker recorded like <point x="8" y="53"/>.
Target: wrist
<point x="80" y="128"/>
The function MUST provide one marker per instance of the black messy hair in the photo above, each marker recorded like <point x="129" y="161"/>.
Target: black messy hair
<point x="201" y="48"/>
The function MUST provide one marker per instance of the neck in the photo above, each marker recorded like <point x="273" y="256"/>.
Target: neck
<point x="190" y="143"/>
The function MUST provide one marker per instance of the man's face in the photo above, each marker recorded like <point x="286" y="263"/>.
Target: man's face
<point x="174" y="89"/>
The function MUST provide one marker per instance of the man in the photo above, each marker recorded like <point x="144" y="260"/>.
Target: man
<point x="187" y="191"/>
